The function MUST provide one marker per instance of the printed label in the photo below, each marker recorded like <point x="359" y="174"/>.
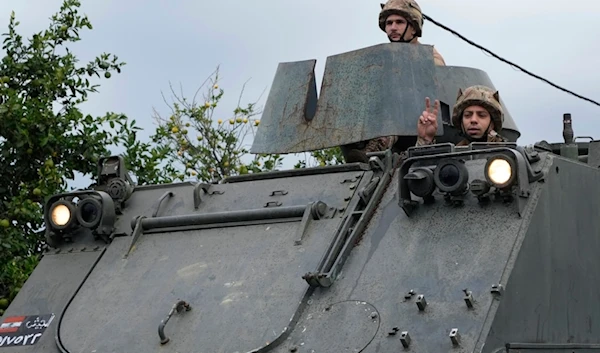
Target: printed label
<point x="23" y="330"/>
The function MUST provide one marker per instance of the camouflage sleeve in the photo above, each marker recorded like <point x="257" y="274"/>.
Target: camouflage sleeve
<point x="493" y="136"/>
<point x="380" y="144"/>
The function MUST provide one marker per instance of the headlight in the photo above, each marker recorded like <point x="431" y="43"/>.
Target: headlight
<point x="61" y="214"/>
<point x="500" y="171"/>
<point x="93" y="210"/>
<point x="451" y="176"/>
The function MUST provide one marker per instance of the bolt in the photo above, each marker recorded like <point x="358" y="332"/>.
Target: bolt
<point x="421" y="302"/>
<point x="454" y="337"/>
<point x="405" y="339"/>
<point x="468" y="298"/>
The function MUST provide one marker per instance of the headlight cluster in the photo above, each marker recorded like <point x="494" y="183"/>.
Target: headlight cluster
<point x="451" y="176"/>
<point x="94" y="211"/>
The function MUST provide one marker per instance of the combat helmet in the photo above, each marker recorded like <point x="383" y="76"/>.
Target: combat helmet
<point x="482" y="96"/>
<point x="409" y="9"/>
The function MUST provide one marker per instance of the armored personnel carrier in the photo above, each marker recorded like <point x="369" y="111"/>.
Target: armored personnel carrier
<point x="491" y="247"/>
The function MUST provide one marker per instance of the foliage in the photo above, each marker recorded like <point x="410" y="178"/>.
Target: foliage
<point x="328" y="156"/>
<point x="44" y="137"/>
<point x="194" y="144"/>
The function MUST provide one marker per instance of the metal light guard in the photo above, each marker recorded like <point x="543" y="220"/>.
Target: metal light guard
<point x="103" y="225"/>
<point x="409" y="205"/>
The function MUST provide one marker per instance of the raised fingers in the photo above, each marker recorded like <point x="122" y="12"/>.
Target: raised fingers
<point x="427" y="104"/>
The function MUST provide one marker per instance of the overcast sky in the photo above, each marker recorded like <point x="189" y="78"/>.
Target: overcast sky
<point x="183" y="41"/>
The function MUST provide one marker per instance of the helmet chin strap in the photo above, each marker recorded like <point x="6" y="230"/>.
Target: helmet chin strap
<point x="402" y="40"/>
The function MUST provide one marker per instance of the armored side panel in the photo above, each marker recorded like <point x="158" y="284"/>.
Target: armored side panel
<point x="36" y="311"/>
<point x="367" y="93"/>
<point x="196" y="267"/>
<point x="594" y="154"/>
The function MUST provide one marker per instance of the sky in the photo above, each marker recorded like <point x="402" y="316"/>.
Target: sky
<point x="183" y="41"/>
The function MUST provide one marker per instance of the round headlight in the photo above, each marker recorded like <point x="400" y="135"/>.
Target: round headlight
<point x="451" y="175"/>
<point x="499" y="171"/>
<point x="61" y="214"/>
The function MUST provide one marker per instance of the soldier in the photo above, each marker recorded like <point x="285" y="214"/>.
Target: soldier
<point x="402" y="21"/>
<point x="477" y="111"/>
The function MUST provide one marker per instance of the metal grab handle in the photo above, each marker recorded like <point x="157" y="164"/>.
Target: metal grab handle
<point x="583" y="137"/>
<point x="179" y="306"/>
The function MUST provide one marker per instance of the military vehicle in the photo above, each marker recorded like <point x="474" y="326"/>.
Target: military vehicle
<point x="491" y="247"/>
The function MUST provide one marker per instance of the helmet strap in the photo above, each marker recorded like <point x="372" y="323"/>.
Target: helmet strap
<point x="402" y="40"/>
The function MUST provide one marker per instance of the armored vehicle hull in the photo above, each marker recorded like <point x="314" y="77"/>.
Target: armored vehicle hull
<point x="332" y="259"/>
<point x="489" y="248"/>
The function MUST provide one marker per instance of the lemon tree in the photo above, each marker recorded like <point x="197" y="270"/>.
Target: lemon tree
<point x="199" y="141"/>
<point x="44" y="136"/>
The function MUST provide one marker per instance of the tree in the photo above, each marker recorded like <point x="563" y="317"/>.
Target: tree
<point x="196" y="142"/>
<point x="44" y="137"/>
<point x="193" y="143"/>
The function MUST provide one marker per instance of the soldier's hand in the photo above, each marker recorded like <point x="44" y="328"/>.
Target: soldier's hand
<point x="427" y="124"/>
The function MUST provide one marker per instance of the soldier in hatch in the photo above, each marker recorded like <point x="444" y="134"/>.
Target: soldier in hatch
<point x="477" y="112"/>
<point x="402" y="21"/>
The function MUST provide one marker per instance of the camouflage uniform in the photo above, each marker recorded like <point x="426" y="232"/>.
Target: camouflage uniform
<point x="484" y="97"/>
<point x="410" y="10"/>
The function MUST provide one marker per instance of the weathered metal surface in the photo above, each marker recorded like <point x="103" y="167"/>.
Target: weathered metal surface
<point x="243" y="284"/>
<point x="47" y="292"/>
<point x="367" y="93"/>
<point x="289" y="189"/>
<point x="437" y="253"/>
<point x="474" y="278"/>
<point x="218" y="269"/>
<point x="450" y="78"/>
<point x="375" y="91"/>
<point x="594" y="154"/>
<point x="552" y="293"/>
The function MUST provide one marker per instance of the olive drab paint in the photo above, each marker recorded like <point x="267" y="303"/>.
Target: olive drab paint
<point x="488" y="247"/>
